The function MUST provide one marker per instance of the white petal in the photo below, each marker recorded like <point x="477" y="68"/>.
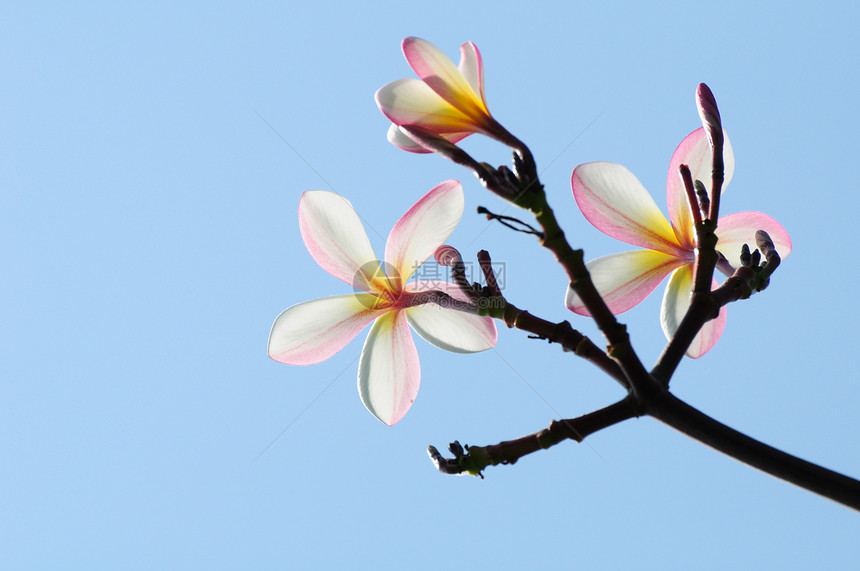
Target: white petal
<point x="695" y="152"/>
<point x="472" y="68"/>
<point x="424" y="227"/>
<point x="676" y="301"/>
<point x="399" y="139"/>
<point x="440" y="74"/>
<point x="624" y="279"/>
<point x="389" y="372"/>
<point x="313" y="331"/>
<point x="738" y="229"/>
<point x="616" y="203"/>
<point x="411" y="102"/>
<point x="450" y="329"/>
<point x="335" y="236"/>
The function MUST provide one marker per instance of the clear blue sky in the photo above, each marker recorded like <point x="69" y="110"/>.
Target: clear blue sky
<point x="149" y="237"/>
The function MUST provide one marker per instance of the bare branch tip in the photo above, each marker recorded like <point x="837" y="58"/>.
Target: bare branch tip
<point x="456" y="466"/>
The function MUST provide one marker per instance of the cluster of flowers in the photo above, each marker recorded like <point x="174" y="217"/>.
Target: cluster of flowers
<point x="447" y="104"/>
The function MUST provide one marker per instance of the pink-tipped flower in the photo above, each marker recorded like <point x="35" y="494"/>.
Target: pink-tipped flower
<point x="313" y="331"/>
<point x="616" y="203"/>
<point x="447" y="101"/>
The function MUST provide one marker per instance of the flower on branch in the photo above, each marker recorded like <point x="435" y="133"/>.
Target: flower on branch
<point x="446" y="102"/>
<point x="313" y="331"/>
<point x="616" y="203"/>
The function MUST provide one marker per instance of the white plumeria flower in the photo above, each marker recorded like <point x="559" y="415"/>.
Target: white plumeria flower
<point x="447" y="101"/>
<point x="313" y="331"/>
<point x="617" y="204"/>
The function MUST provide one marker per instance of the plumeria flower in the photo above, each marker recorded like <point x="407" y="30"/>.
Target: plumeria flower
<point x="616" y="203"/>
<point x="313" y="331"/>
<point x="447" y="101"/>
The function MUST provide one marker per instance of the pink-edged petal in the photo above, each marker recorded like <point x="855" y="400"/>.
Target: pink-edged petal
<point x="424" y="228"/>
<point x="695" y="152"/>
<point x="389" y="372"/>
<point x="625" y="279"/>
<point x="738" y="229"/>
<point x="616" y="203"/>
<point x="313" y="331"/>
<point x="335" y="236"/>
<point x="472" y="68"/>
<point x="400" y="139"/>
<point x="450" y="329"/>
<point x="676" y="300"/>
<point x="411" y="102"/>
<point x="439" y="73"/>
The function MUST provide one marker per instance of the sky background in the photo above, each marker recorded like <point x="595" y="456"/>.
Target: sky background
<point x="152" y="160"/>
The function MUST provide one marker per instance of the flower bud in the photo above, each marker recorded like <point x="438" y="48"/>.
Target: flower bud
<point x="709" y="114"/>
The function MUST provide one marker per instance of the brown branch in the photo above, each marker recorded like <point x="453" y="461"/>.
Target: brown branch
<point x="620" y="348"/>
<point x="703" y="305"/>
<point x="474" y="459"/>
<point x="706" y="239"/>
<point x="692" y="197"/>
<point x="569" y="338"/>
<point x="699" y="426"/>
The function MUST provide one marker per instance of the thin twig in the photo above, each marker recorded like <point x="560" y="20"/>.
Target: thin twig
<point x="474" y="459"/>
<point x="511" y="222"/>
<point x="692" y="199"/>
